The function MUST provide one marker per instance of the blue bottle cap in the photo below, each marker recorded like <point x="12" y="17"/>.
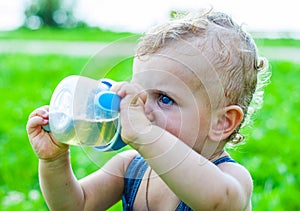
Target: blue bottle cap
<point x="109" y="101"/>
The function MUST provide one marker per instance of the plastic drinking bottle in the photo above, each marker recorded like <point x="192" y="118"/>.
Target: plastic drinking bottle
<point x="84" y="112"/>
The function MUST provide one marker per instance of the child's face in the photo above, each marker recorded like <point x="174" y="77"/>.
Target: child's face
<point x="175" y="99"/>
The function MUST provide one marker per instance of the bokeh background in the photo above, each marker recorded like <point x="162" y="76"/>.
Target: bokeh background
<point x="41" y="42"/>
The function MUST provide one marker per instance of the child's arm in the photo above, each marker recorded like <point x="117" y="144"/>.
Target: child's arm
<point x="195" y="180"/>
<point x="58" y="184"/>
<point x="60" y="188"/>
<point x="97" y="191"/>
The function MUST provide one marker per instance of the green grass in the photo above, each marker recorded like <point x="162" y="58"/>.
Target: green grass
<point x="97" y="34"/>
<point x="283" y="42"/>
<point x="72" y="34"/>
<point x="27" y="81"/>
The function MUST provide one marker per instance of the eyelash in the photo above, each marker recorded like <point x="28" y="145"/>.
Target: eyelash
<point x="162" y="98"/>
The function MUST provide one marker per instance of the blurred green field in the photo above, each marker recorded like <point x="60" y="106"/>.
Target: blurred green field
<point x="27" y="81"/>
<point x="72" y="34"/>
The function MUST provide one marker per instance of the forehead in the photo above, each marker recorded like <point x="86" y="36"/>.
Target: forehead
<point x="160" y="70"/>
<point x="178" y="60"/>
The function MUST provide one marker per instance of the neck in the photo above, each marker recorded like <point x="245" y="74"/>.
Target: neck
<point x="212" y="150"/>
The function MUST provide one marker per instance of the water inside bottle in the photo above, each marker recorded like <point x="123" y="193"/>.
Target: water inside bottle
<point x="87" y="132"/>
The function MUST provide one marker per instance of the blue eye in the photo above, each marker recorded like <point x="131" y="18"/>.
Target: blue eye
<point x="166" y="100"/>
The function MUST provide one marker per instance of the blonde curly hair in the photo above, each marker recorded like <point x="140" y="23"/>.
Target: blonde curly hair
<point x="232" y="52"/>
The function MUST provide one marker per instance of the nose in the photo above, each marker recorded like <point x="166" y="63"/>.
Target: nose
<point x="149" y="110"/>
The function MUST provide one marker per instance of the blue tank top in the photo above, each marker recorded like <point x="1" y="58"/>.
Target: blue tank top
<point x="133" y="178"/>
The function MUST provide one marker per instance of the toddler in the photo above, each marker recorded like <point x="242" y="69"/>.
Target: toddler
<point x="193" y="80"/>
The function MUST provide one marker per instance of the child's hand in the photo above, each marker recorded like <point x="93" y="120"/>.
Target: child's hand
<point x="46" y="147"/>
<point x="134" y="122"/>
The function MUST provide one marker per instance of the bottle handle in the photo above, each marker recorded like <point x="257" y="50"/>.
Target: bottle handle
<point x="46" y="128"/>
<point x="115" y="144"/>
<point x="110" y="101"/>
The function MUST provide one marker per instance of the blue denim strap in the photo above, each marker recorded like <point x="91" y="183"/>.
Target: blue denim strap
<point x="224" y="160"/>
<point x="183" y="207"/>
<point x="133" y="178"/>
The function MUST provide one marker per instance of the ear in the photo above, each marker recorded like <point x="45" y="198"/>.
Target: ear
<point x="224" y="122"/>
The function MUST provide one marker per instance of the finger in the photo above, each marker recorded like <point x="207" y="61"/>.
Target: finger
<point x="131" y="101"/>
<point x="134" y="101"/>
<point x="117" y="86"/>
<point x="130" y="94"/>
<point x="143" y="96"/>
<point x="35" y="122"/>
<point x="139" y="95"/>
<point x="42" y="111"/>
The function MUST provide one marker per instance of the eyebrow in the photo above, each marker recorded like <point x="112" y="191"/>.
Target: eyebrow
<point x="169" y="93"/>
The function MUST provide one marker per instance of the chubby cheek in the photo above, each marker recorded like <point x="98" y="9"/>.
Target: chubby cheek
<point x="182" y="126"/>
<point x="169" y="121"/>
<point x="174" y="126"/>
<point x="189" y="128"/>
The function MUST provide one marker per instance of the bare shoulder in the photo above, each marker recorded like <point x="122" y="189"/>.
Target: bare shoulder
<point x="241" y="174"/>
<point x="120" y="162"/>
<point x="127" y="157"/>
<point x="238" y="171"/>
